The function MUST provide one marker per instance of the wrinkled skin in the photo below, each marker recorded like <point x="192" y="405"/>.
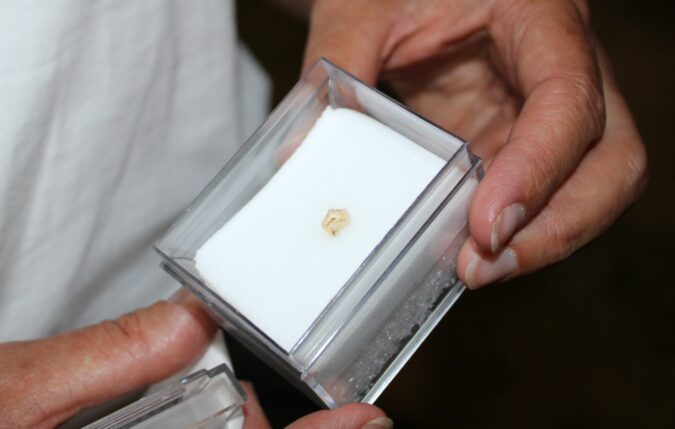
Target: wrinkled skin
<point x="527" y="84"/>
<point x="45" y="382"/>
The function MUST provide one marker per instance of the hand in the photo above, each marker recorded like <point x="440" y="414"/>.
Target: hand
<point x="45" y="382"/>
<point x="527" y="84"/>
<point x="351" y="416"/>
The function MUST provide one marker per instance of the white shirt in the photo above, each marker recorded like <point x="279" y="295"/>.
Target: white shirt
<point x="114" y="114"/>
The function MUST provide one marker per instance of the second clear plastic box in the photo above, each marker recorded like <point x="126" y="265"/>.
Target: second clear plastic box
<point x="401" y="290"/>
<point x="206" y="399"/>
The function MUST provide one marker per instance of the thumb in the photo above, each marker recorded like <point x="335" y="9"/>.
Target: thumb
<point x="351" y="416"/>
<point x="46" y="381"/>
<point x="351" y="34"/>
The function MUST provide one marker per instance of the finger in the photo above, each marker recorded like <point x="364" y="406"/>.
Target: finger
<point x="549" y="56"/>
<point x="356" y="416"/>
<point x="44" y="382"/>
<point x="611" y="177"/>
<point x="352" y="36"/>
<point x="254" y="415"/>
<point x="351" y="416"/>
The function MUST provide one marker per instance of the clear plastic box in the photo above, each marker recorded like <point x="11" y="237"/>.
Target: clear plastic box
<point x="206" y="399"/>
<point x="396" y="296"/>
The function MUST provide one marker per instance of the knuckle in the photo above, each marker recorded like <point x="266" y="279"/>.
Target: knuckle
<point x="597" y="107"/>
<point x="537" y="162"/>
<point x="523" y="6"/>
<point x="566" y="240"/>
<point x="510" y="11"/>
<point x="127" y="335"/>
<point x="563" y="240"/>
<point x="556" y="239"/>
<point x="591" y="98"/>
<point x="589" y="106"/>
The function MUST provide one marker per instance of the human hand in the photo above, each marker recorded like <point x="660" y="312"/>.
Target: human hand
<point x="527" y="84"/>
<point x="44" y="382"/>
<point x="351" y="416"/>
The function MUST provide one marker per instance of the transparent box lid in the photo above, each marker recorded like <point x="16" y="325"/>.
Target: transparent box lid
<point x="206" y="399"/>
<point x="394" y="297"/>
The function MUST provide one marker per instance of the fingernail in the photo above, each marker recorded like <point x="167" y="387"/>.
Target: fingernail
<point x="379" y="423"/>
<point x="180" y="295"/>
<point x="508" y="220"/>
<point x="482" y="270"/>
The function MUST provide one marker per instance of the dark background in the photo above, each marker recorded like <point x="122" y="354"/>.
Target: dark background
<point x="589" y="342"/>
